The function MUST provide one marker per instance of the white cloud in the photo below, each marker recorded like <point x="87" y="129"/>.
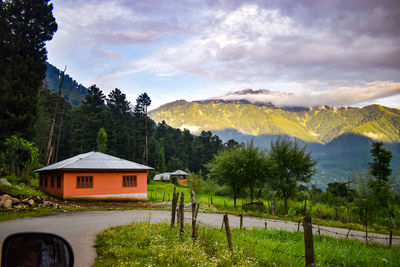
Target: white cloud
<point x="325" y="52"/>
<point x="343" y="96"/>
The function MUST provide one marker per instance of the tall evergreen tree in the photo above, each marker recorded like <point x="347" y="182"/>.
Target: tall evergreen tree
<point x="142" y="102"/>
<point x="380" y="165"/>
<point x="25" y="26"/>
<point x="381" y="171"/>
<point x="95" y="97"/>
<point x="117" y="102"/>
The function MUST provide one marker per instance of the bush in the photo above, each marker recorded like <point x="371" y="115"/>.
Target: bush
<point x="196" y="183"/>
<point x="21" y="157"/>
<point x="223" y="191"/>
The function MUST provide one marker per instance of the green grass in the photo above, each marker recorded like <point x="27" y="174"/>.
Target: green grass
<point x="145" y="244"/>
<point x="20" y="190"/>
<point x="159" y="191"/>
<point x="20" y="214"/>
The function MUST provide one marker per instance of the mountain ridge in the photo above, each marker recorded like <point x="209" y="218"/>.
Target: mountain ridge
<point x="311" y="125"/>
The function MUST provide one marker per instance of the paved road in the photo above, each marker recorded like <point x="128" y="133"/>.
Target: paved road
<point x="81" y="228"/>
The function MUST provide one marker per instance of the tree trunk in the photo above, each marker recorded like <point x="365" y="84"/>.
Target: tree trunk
<point x="59" y="132"/>
<point x="53" y="122"/>
<point x="146" y="148"/>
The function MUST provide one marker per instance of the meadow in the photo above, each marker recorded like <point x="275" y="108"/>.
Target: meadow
<point x="146" y="244"/>
<point x="321" y="213"/>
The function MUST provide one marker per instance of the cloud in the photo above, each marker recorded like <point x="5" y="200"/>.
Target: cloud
<point x="343" y="96"/>
<point x="326" y="49"/>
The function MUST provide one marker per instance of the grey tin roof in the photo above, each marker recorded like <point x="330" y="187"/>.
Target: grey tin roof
<point x="179" y="173"/>
<point x="166" y="176"/>
<point x="96" y="161"/>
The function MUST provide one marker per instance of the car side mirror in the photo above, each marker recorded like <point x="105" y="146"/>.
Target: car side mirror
<point x="36" y="249"/>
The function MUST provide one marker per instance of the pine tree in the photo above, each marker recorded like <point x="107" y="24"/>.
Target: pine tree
<point x="142" y="102"/>
<point x="381" y="171"/>
<point x="25" y="26"/>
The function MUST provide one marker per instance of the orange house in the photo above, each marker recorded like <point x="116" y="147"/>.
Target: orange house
<point x="95" y="175"/>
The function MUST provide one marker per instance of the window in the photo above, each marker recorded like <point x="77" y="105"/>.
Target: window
<point x="41" y="180"/>
<point x="45" y="181"/>
<point x="129" y="181"/>
<point x="84" y="182"/>
<point x="52" y="181"/>
<point x="59" y="181"/>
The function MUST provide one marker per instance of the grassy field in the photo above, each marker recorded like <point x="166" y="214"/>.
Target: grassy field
<point x="162" y="191"/>
<point x="145" y="244"/>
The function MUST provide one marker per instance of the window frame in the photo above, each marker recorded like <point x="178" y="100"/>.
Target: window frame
<point x="84" y="182"/>
<point x="59" y="181"/>
<point x="129" y="181"/>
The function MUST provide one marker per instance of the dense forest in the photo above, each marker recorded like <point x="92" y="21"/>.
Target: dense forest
<point x="77" y="127"/>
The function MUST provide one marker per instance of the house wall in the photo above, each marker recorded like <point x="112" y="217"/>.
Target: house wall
<point x="106" y="185"/>
<point x="182" y="182"/>
<point x="55" y="189"/>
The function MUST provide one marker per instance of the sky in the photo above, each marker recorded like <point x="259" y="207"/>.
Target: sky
<point x="305" y="52"/>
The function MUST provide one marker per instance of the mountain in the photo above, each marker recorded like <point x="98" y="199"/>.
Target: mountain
<point x="313" y="125"/>
<point x="73" y="92"/>
<point x="338" y="138"/>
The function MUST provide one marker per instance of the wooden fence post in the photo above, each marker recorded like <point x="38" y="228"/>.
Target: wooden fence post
<point x="298" y="225"/>
<point x="390" y="237"/>
<point x="163" y="198"/>
<point x="195" y="210"/>
<point x="241" y="221"/>
<point x="228" y="232"/>
<point x="181" y="215"/>
<point x="174" y="200"/>
<point x="178" y="213"/>
<point x="265" y="225"/>
<point x="347" y="236"/>
<point x="308" y="242"/>
<point x="211" y="201"/>
<point x="319" y="232"/>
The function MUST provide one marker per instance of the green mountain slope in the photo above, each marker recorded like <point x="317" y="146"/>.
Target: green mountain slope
<point x="73" y="92"/>
<point x="315" y="126"/>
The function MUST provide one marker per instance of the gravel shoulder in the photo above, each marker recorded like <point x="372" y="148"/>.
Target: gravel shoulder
<point x="81" y="228"/>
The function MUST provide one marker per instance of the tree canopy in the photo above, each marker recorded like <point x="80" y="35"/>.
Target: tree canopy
<point x="25" y="26"/>
<point x="290" y="164"/>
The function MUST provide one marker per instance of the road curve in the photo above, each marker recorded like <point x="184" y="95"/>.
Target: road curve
<point x="81" y="228"/>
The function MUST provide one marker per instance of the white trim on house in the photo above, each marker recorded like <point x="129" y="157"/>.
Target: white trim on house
<point x="111" y="196"/>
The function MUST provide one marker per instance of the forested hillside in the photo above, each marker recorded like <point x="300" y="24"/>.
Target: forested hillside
<point x="169" y="148"/>
<point x="73" y="92"/>
<point x="310" y="125"/>
<point x="338" y="138"/>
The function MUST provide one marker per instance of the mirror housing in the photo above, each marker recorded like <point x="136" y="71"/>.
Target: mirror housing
<point x="36" y="249"/>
